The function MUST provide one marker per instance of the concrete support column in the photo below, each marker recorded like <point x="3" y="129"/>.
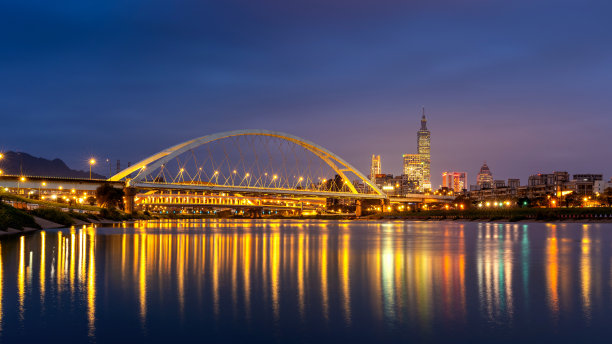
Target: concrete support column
<point x="384" y="203"/>
<point x="358" y="208"/>
<point x="129" y="194"/>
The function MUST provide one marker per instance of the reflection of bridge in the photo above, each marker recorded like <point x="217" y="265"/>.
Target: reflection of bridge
<point x="245" y="168"/>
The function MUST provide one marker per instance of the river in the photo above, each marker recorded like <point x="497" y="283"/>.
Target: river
<point x="308" y="281"/>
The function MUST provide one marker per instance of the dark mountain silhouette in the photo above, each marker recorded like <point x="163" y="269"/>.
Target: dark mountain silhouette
<point x="19" y="163"/>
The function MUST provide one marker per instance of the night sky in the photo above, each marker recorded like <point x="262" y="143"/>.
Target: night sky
<point x="524" y="85"/>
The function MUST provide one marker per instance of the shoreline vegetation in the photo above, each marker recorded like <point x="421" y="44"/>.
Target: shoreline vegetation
<point x="57" y="215"/>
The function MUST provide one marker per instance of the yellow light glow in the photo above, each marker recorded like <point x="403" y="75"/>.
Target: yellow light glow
<point x="23" y="179"/>
<point x="92" y="161"/>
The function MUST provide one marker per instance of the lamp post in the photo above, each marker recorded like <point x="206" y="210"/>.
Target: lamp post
<point x="92" y="162"/>
<point x="43" y="184"/>
<point x="20" y="180"/>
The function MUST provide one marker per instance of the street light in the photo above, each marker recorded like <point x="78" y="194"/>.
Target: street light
<point x="43" y="184"/>
<point x="92" y="162"/>
<point x="21" y="179"/>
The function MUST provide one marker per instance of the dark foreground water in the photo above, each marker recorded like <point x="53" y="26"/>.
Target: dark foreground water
<point x="309" y="281"/>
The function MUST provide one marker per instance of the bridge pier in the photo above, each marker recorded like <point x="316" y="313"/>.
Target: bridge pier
<point x="358" y="208"/>
<point x="129" y="194"/>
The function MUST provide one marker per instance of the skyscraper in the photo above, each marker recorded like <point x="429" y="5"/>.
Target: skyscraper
<point x="375" y="167"/>
<point x="485" y="177"/>
<point x="424" y="150"/>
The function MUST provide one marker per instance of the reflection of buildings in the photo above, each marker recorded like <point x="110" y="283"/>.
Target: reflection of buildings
<point x="496" y="244"/>
<point x="252" y="270"/>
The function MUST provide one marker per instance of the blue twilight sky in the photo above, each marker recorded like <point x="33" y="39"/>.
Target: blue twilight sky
<point x="522" y="84"/>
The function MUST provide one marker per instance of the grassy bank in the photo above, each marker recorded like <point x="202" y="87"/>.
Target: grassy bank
<point x="47" y="203"/>
<point x="15" y="218"/>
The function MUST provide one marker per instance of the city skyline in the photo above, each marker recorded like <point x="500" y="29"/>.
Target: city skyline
<point x="527" y="99"/>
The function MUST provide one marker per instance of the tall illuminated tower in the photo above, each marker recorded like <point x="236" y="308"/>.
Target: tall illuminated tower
<point x="375" y="167"/>
<point x="424" y="150"/>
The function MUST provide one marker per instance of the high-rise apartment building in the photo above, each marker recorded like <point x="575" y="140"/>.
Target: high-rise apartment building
<point x="456" y="181"/>
<point x="424" y="150"/>
<point x="485" y="177"/>
<point x="375" y="167"/>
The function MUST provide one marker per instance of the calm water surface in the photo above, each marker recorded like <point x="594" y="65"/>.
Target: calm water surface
<point x="308" y="281"/>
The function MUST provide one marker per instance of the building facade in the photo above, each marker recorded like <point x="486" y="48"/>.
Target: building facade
<point x="413" y="168"/>
<point x="456" y="181"/>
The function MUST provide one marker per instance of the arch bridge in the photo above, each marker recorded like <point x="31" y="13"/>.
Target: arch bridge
<point x="248" y="163"/>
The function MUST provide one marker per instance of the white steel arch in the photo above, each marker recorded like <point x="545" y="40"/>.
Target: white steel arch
<point x="150" y="164"/>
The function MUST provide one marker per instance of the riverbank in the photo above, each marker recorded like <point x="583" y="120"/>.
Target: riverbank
<point x="599" y="214"/>
<point x="18" y="221"/>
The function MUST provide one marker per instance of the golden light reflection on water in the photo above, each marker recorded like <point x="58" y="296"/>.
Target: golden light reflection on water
<point x="585" y="271"/>
<point x="396" y="272"/>
<point x="552" y="260"/>
<point x="21" y="278"/>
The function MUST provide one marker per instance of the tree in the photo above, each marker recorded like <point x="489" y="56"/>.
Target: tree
<point x="109" y="196"/>
<point x="462" y="199"/>
<point x="606" y="197"/>
<point x="91" y="200"/>
<point x="524" y="202"/>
